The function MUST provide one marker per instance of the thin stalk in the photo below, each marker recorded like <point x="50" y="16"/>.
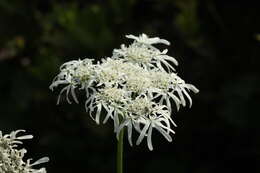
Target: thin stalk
<point x="120" y="148"/>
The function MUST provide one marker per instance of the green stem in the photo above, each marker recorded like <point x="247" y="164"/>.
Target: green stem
<point x="120" y="148"/>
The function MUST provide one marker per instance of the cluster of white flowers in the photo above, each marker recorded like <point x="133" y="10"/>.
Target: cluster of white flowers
<point x="11" y="158"/>
<point x="135" y="87"/>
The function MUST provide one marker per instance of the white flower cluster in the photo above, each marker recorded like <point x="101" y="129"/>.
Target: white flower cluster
<point x="11" y="158"/>
<point x="136" y="88"/>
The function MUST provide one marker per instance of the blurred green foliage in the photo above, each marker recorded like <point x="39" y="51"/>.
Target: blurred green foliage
<point x="215" y="42"/>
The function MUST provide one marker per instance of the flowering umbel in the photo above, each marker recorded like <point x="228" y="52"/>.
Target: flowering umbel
<point x="11" y="158"/>
<point x="137" y="87"/>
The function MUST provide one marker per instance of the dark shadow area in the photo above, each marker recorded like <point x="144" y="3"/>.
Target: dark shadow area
<point x="217" y="44"/>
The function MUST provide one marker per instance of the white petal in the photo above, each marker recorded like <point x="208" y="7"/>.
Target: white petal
<point x="13" y="134"/>
<point x="121" y="126"/>
<point x="99" y="107"/>
<point x="109" y="114"/>
<point x="40" y="161"/>
<point x="116" y="122"/>
<point x="131" y="37"/>
<point x="192" y="88"/>
<point x="25" y="137"/>
<point x="143" y="132"/>
<point x="137" y="126"/>
<point x="149" y="138"/>
<point x="188" y="96"/>
<point x="183" y="102"/>
<point x="168" y="103"/>
<point x="165" y="127"/>
<point x="167" y="65"/>
<point x="171" y="59"/>
<point x="56" y="83"/>
<point x="73" y="94"/>
<point x="166" y="135"/>
<point x="176" y="100"/>
<point x="129" y="130"/>
<point x="65" y="88"/>
<point x="67" y="94"/>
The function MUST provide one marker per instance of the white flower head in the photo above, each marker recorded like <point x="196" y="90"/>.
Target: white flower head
<point x="11" y="158"/>
<point x="138" y="81"/>
<point x="110" y="71"/>
<point x="135" y="88"/>
<point x="74" y="74"/>
<point x="144" y="112"/>
<point x="146" y="55"/>
<point x="144" y="39"/>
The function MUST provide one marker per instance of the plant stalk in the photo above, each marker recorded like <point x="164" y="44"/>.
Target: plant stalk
<point x="120" y="148"/>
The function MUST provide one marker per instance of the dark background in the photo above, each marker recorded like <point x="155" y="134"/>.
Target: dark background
<point x="218" y="49"/>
